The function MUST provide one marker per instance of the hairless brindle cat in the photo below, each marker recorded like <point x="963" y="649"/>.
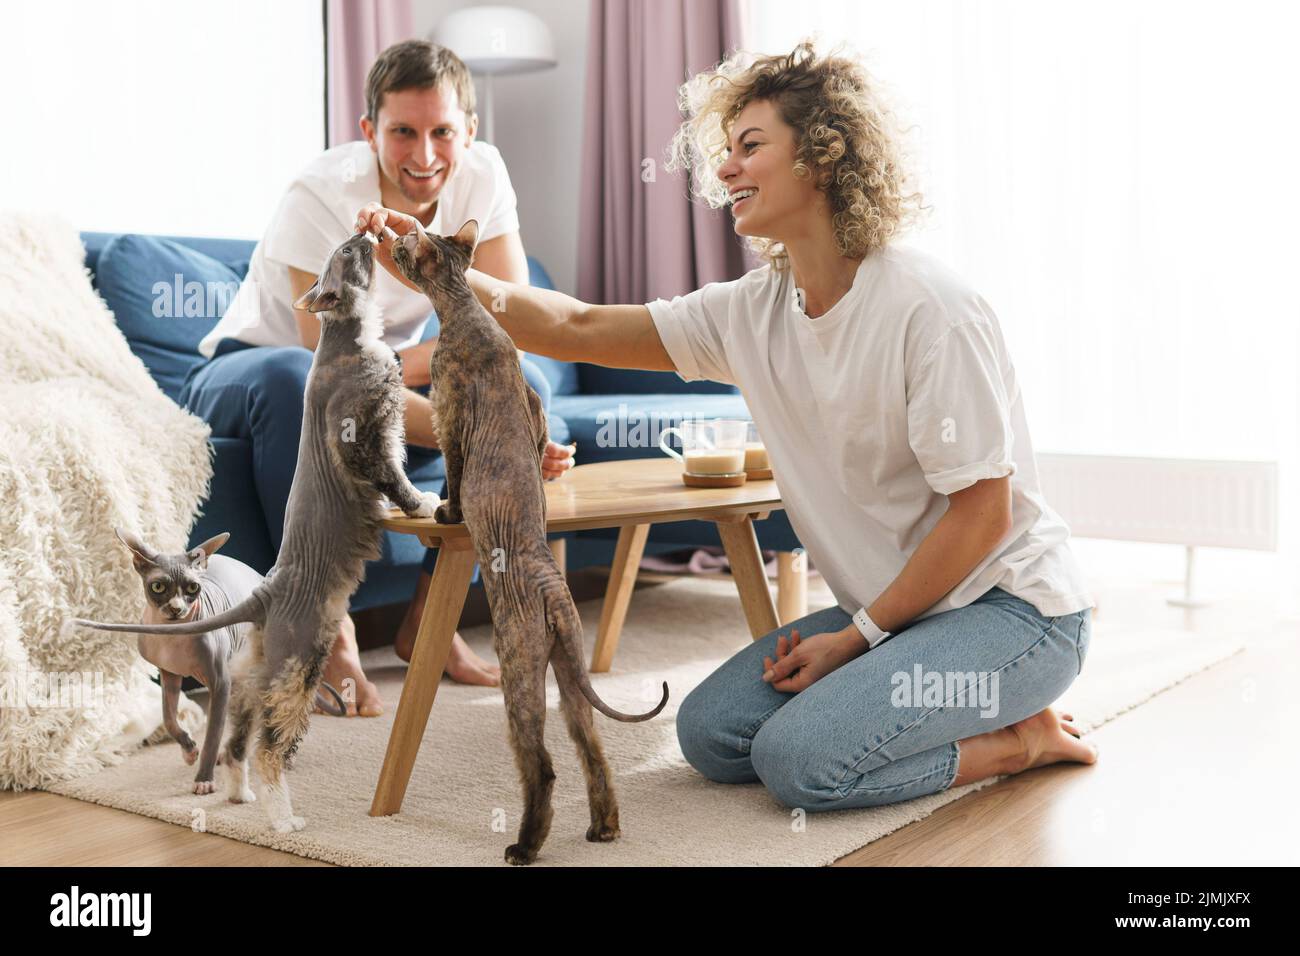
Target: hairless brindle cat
<point x="493" y="432"/>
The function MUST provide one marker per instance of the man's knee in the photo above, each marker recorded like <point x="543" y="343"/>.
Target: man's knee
<point x="276" y="383"/>
<point x="281" y="373"/>
<point x="249" y="387"/>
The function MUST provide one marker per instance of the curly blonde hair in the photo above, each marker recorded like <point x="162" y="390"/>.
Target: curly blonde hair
<point x="843" y="131"/>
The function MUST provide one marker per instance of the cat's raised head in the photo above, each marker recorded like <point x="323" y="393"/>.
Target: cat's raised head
<point x="348" y="273"/>
<point x="171" y="581"/>
<point x="429" y="260"/>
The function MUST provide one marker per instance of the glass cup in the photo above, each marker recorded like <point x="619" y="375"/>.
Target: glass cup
<point x="755" y="450"/>
<point x="714" y="448"/>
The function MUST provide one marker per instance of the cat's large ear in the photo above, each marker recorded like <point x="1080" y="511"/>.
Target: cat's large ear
<point x="199" y="556"/>
<point x="142" y="556"/>
<point x="324" y="295"/>
<point x="467" y="236"/>
<point x="318" y="298"/>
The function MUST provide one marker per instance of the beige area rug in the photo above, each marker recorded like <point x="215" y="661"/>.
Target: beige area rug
<point x="463" y="803"/>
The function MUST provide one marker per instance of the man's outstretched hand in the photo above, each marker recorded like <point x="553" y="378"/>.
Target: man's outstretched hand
<point x="384" y="224"/>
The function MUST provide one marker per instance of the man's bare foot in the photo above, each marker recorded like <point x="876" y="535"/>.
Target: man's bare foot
<point x="343" y="672"/>
<point x="1049" y="737"/>
<point x="466" y="667"/>
<point x="463" y="665"/>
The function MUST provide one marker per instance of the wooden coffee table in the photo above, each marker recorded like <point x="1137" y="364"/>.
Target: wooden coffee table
<point x="629" y="495"/>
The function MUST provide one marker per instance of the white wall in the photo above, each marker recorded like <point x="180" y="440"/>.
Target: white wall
<point x="539" y="132"/>
<point x="156" y="116"/>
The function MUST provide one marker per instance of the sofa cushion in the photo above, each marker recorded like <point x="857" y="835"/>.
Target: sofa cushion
<point x="165" y="297"/>
<point x="234" y="253"/>
<point x="563" y="376"/>
<point x="598" y="380"/>
<point x="612" y="427"/>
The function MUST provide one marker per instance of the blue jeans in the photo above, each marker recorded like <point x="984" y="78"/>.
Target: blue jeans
<point x="883" y="727"/>
<point x="256" y="393"/>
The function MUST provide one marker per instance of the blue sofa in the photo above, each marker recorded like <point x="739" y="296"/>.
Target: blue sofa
<point x="610" y="413"/>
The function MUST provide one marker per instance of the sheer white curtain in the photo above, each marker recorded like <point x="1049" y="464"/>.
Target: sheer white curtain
<point x="1119" y="181"/>
<point x="152" y="116"/>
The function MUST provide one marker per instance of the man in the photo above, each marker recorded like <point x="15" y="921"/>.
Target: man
<point x="418" y="156"/>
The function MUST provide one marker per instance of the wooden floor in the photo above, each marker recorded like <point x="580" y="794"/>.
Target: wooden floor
<point x="1205" y="774"/>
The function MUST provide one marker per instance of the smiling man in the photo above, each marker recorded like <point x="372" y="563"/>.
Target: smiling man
<point x="419" y="156"/>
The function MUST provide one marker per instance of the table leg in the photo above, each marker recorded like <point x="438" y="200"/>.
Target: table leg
<point x="741" y="544"/>
<point x="618" y="594"/>
<point x="791" y="585"/>
<point x="560" y="551"/>
<point x="442" y="608"/>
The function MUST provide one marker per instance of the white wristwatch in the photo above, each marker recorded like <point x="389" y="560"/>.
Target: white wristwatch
<point x="867" y="626"/>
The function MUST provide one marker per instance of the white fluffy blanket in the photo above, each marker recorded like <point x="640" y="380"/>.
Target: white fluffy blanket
<point x="87" y="442"/>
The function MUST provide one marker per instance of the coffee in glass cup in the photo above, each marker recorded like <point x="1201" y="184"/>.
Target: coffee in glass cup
<point x="756" y="463"/>
<point x="713" y="451"/>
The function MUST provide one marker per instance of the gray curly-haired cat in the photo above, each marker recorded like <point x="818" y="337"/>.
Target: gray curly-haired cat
<point x="351" y="454"/>
<point x="492" y="429"/>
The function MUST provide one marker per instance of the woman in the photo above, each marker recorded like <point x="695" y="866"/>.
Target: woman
<point x="890" y="409"/>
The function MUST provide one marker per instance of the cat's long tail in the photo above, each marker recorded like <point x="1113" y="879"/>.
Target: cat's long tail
<point x="324" y="704"/>
<point x="566" y="627"/>
<point x="250" y="610"/>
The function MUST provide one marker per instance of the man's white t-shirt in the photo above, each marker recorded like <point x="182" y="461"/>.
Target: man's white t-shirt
<point x="319" y="211"/>
<point x="900" y="394"/>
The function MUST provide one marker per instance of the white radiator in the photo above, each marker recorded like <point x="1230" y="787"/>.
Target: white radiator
<point x="1218" y="504"/>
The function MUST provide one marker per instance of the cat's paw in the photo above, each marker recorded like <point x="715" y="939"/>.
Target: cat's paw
<point x="190" y="754"/>
<point x="244" y="795"/>
<point x="288" y="824"/>
<point x="429" y="503"/>
<point x="447" y="515"/>
<point x="518" y="855"/>
<point x="603" y="833"/>
<point x="204" y="787"/>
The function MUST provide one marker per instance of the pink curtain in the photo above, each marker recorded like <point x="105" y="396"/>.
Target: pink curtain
<point x="641" y="240"/>
<point x="356" y="32"/>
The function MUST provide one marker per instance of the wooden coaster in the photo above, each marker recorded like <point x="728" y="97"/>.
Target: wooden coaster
<point x="713" y="481"/>
<point x="758" y="474"/>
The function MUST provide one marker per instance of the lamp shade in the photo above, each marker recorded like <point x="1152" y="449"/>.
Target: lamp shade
<point x="494" y="40"/>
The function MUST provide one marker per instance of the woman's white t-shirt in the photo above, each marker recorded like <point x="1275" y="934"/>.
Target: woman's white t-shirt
<point x="319" y="211"/>
<point x="900" y="394"/>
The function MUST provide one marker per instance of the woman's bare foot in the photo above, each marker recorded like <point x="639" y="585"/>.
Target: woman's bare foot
<point x="343" y="672"/>
<point x="1046" y="737"/>
<point x="1049" y="737"/>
